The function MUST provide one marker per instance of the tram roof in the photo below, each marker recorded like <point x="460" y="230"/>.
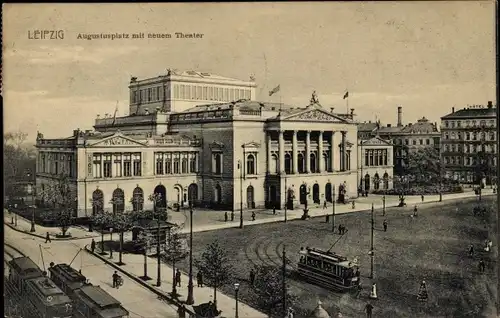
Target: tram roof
<point x="329" y="255"/>
<point x="68" y="273"/>
<point x="24" y="264"/>
<point x="98" y="296"/>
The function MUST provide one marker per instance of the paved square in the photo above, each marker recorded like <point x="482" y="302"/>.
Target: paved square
<point x="432" y="247"/>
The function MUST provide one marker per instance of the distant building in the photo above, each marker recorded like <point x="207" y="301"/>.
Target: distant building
<point x="218" y="154"/>
<point x="375" y="164"/>
<point x="405" y="138"/>
<point x="468" y="141"/>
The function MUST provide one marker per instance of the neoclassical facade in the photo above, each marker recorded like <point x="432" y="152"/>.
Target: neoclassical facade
<point x="375" y="164"/>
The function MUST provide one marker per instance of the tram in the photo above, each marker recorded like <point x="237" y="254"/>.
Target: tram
<point x="48" y="299"/>
<point x="22" y="269"/>
<point x="327" y="269"/>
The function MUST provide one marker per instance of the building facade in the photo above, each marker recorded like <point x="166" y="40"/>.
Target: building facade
<point x="469" y="144"/>
<point x="375" y="162"/>
<point x="215" y="155"/>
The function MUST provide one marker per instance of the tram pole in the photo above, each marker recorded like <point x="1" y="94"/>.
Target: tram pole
<point x="286" y="199"/>
<point x="284" y="280"/>
<point x="190" y="297"/>
<point x="333" y="208"/>
<point x="371" y="246"/>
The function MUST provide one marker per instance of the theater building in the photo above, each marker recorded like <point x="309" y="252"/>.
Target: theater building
<point x="215" y="155"/>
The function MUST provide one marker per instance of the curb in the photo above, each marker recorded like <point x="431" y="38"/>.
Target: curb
<point x="43" y="237"/>
<point x="160" y="293"/>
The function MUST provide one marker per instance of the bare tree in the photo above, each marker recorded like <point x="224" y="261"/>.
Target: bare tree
<point x="102" y="220"/>
<point x="215" y="266"/>
<point x="63" y="199"/>
<point x="15" y="160"/>
<point x="175" y="249"/>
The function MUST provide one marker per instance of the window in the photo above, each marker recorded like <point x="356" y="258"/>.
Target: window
<point x="158" y="91"/>
<point x="107" y="166"/>
<point x="184" y="164"/>
<point x="168" y="163"/>
<point x="192" y="163"/>
<point x="427" y="142"/>
<point x="96" y="160"/>
<point x="474" y="136"/>
<point x="117" y="161"/>
<point x="127" y="165"/>
<point x="492" y="136"/>
<point x="251" y="164"/>
<point x="159" y="163"/>
<point x="43" y="163"/>
<point x="150" y="94"/>
<point x="452" y="124"/>
<point x="153" y="97"/>
<point x="205" y="93"/>
<point x="217" y="163"/>
<point x="176" y="163"/>
<point x="182" y="92"/>
<point x="226" y="94"/>
<point x="371" y="158"/>
<point x="421" y="141"/>
<point x="446" y="124"/>
<point x="407" y="142"/>
<point x="366" y="158"/>
<point x="198" y="92"/>
<point x="237" y="94"/>
<point x="216" y="94"/>
<point x="458" y="124"/>
<point x="176" y="91"/>
<point x="414" y="142"/>
<point x="231" y="94"/>
<point x="137" y="164"/>
<point x="193" y="92"/>
<point x="247" y="94"/>
<point x="446" y="136"/>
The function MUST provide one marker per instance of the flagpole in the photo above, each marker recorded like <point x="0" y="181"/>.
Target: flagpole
<point x="347" y="101"/>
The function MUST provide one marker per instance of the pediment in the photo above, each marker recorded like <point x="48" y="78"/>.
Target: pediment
<point x="216" y="145"/>
<point x="118" y="140"/>
<point x="252" y="144"/>
<point x="376" y="141"/>
<point x="315" y="114"/>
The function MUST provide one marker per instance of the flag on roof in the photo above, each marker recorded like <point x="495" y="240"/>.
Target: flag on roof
<point x="274" y="90"/>
<point x="346" y="95"/>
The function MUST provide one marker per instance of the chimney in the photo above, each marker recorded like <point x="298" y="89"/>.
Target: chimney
<point x="490" y="104"/>
<point x="400" y="116"/>
<point x="452" y="110"/>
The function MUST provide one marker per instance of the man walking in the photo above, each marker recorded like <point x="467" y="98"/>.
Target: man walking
<point x="482" y="266"/>
<point x="199" y="279"/>
<point x="471" y="250"/>
<point x="252" y="277"/>
<point x="232" y="216"/>
<point x="115" y="279"/>
<point x="324" y="205"/>
<point x="92" y="246"/>
<point x="368" y="310"/>
<point x="178" y="278"/>
<point x="225" y="216"/>
<point x="422" y="197"/>
<point x="385" y="225"/>
<point x="47" y="238"/>
<point x="253" y="215"/>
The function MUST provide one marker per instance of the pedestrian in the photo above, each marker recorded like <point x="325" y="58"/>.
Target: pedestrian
<point x="199" y="278"/>
<point x="340" y="228"/>
<point x="422" y="197"/>
<point x="225" y="219"/>
<point x="353" y="204"/>
<point x="252" y="277"/>
<point x="178" y="278"/>
<point x="359" y="289"/>
<point x="115" y="279"/>
<point x="357" y="272"/>
<point x="482" y="266"/>
<point x="274" y="210"/>
<point x="324" y="205"/>
<point x="385" y="225"/>
<point x="232" y="216"/>
<point x="471" y="250"/>
<point x="368" y="310"/>
<point x="253" y="215"/>
<point x="327" y="218"/>
<point x="422" y="293"/>
<point x="415" y="210"/>
<point x="92" y="245"/>
<point x="47" y="238"/>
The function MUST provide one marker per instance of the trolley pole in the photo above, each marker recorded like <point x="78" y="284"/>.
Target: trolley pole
<point x="190" y="298"/>
<point x="284" y="280"/>
<point x="371" y="246"/>
<point x="333" y="208"/>
<point x="286" y="199"/>
<point x="240" y="164"/>
<point x="158" y="252"/>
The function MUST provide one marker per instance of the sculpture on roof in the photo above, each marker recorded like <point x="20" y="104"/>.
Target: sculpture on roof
<point x="252" y="77"/>
<point x="314" y="98"/>
<point x="39" y="135"/>
<point x="169" y="71"/>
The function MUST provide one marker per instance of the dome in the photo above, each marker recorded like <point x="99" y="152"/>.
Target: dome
<point x="319" y="312"/>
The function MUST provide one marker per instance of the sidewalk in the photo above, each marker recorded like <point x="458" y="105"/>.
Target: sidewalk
<point x="134" y="267"/>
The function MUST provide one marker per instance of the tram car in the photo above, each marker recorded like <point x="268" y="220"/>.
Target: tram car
<point x="90" y="301"/>
<point x="22" y="269"/>
<point x="327" y="269"/>
<point x="48" y="299"/>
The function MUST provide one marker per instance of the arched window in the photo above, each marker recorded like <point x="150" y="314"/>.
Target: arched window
<point x="176" y="164"/>
<point x="138" y="199"/>
<point x="192" y="163"/>
<point x="217" y="163"/>
<point x="184" y="165"/>
<point x="288" y="163"/>
<point x="251" y="164"/>
<point x="376" y="182"/>
<point x="312" y="162"/>
<point x="325" y="162"/>
<point x="274" y="164"/>
<point x="386" y="181"/>
<point x="97" y="201"/>
<point x="118" y="201"/>
<point x="301" y="163"/>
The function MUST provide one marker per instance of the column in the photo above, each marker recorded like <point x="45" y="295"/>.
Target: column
<point x="189" y="162"/>
<point x="282" y="151"/>
<point x="332" y="152"/>
<point x="343" y="153"/>
<point x="320" y="152"/>
<point x="295" y="162"/>
<point x="308" y="151"/>
<point x="269" y="154"/>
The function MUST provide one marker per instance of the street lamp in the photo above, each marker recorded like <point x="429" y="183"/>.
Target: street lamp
<point x="190" y="298"/>
<point x="236" y="290"/>
<point x="333" y="208"/>
<point x="156" y="197"/>
<point x="371" y="244"/>
<point x="286" y="196"/>
<point x="32" y="192"/>
<point x="240" y="166"/>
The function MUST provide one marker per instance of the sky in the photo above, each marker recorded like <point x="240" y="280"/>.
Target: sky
<point x="424" y="56"/>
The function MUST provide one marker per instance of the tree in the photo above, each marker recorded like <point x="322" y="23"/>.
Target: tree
<point x="121" y="222"/>
<point x="16" y="160"/>
<point x="424" y="165"/>
<point x="63" y="199"/>
<point x="267" y="291"/>
<point x="483" y="166"/>
<point x="103" y="220"/>
<point x="175" y="249"/>
<point x="215" y="266"/>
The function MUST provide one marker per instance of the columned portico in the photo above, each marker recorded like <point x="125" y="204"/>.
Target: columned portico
<point x="308" y="151"/>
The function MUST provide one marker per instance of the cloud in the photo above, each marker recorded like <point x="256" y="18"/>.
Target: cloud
<point x="69" y="54"/>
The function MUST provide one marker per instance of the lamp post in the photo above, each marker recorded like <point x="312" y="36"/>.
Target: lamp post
<point x="240" y="166"/>
<point x="156" y="197"/>
<point x="371" y="245"/>
<point x="32" y="192"/>
<point x="190" y="297"/>
<point x="286" y="197"/>
<point x="333" y="208"/>
<point x="284" y="278"/>
<point x="236" y="290"/>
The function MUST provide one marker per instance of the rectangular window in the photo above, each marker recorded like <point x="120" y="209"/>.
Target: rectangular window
<point x="181" y="94"/>
<point x="118" y="165"/>
<point x="107" y="166"/>
<point x="406" y="142"/>
<point x="366" y="158"/>
<point x="176" y="164"/>
<point x="247" y="94"/>
<point x="168" y="163"/>
<point x="97" y="165"/>
<point x="205" y="93"/>
<point x="198" y="92"/>
<point x="192" y="163"/>
<point x="137" y="164"/>
<point x="421" y="142"/>
<point x="153" y="93"/>
<point x="184" y="164"/>
<point x="210" y="93"/>
<point x="217" y="163"/>
<point x="150" y="93"/>
<point x="127" y="165"/>
<point x="159" y="163"/>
